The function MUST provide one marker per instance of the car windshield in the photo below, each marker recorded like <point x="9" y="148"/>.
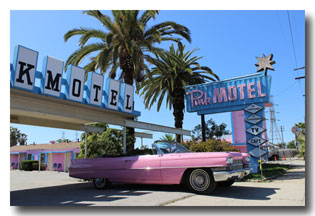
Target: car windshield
<point x="167" y="147"/>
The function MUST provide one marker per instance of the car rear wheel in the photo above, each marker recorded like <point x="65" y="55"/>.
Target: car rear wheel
<point x="100" y="183"/>
<point x="201" y="181"/>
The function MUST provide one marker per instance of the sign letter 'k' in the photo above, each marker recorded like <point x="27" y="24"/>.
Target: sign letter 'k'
<point x="25" y="71"/>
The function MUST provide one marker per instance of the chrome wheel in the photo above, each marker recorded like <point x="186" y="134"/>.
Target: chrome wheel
<point x="201" y="181"/>
<point x="99" y="183"/>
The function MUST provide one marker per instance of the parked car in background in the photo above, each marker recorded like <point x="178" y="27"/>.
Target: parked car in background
<point x="169" y="163"/>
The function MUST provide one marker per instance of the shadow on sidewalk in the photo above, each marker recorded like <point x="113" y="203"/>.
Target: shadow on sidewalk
<point x="82" y="194"/>
<point x="245" y="192"/>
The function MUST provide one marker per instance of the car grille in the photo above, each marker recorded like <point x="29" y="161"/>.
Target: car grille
<point x="237" y="162"/>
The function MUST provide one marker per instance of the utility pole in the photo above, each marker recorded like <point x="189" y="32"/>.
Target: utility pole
<point x="63" y="135"/>
<point x="301" y="77"/>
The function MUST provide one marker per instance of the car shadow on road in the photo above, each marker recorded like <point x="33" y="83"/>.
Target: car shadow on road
<point x="84" y="194"/>
<point x="81" y="194"/>
<point x="244" y="192"/>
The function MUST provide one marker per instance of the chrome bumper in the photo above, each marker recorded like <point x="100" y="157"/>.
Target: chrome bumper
<point x="229" y="175"/>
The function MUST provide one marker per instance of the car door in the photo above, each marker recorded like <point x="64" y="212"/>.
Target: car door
<point x="173" y="166"/>
<point x="142" y="169"/>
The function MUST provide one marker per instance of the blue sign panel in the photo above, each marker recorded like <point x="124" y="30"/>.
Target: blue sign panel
<point x="72" y="85"/>
<point x="228" y="95"/>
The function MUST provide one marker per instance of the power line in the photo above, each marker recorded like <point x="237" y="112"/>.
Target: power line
<point x="286" y="88"/>
<point x="292" y="41"/>
<point x="293" y="47"/>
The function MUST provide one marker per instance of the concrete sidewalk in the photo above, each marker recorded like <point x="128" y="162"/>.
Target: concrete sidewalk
<point x="286" y="190"/>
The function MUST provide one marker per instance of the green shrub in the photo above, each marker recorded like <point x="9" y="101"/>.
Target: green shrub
<point x="35" y="166"/>
<point x="211" y="145"/>
<point x="138" y="151"/>
<point x="27" y="165"/>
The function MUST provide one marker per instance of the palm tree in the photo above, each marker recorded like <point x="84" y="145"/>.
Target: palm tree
<point x="172" y="72"/>
<point x="167" y="137"/>
<point x="23" y="139"/>
<point x="125" y="43"/>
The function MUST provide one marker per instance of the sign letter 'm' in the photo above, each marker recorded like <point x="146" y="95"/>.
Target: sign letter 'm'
<point x="53" y="83"/>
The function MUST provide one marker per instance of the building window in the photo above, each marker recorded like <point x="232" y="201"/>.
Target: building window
<point x="29" y="156"/>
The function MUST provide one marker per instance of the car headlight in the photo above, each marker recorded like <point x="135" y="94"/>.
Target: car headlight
<point x="229" y="161"/>
<point x="247" y="159"/>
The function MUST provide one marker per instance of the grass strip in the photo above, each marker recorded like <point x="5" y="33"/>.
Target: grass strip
<point x="269" y="170"/>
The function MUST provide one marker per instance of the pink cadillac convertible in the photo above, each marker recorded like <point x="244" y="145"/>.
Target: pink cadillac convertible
<point x="170" y="163"/>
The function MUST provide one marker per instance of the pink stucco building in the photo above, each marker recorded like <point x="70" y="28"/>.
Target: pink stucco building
<point x="55" y="157"/>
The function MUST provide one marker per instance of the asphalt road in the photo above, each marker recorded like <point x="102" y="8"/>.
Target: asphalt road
<point x="52" y="188"/>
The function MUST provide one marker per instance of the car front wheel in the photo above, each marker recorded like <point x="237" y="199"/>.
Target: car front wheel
<point x="100" y="183"/>
<point x="201" y="181"/>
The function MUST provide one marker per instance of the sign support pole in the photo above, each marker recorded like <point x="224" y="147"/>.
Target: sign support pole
<point x="124" y="135"/>
<point x="39" y="162"/>
<point x="203" y="129"/>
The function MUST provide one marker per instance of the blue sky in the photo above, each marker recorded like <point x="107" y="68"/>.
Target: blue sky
<point x="229" y="41"/>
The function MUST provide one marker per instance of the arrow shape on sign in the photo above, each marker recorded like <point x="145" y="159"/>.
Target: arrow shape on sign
<point x="253" y="108"/>
<point x="254" y="119"/>
<point x="256" y="141"/>
<point x="256" y="152"/>
<point x="255" y="130"/>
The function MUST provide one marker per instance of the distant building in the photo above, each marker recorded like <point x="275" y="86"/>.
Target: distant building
<point x="54" y="157"/>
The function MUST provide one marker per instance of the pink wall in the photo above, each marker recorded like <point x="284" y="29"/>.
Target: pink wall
<point x="13" y="159"/>
<point x="239" y="131"/>
<point x="58" y="158"/>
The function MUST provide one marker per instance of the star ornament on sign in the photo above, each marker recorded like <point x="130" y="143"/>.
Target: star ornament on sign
<point x="265" y="63"/>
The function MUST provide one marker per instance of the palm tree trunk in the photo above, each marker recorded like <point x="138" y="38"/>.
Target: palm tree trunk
<point x="127" y="67"/>
<point x="178" y="107"/>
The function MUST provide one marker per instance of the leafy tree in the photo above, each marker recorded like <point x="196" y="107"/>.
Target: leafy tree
<point x="291" y="145"/>
<point x="107" y="143"/>
<point x="212" y="130"/>
<point x="125" y="43"/>
<point x="63" y="140"/>
<point x="210" y="145"/>
<point x="17" y="137"/>
<point x="98" y="124"/>
<point x="115" y="133"/>
<point x="168" y="137"/>
<point x="301" y="125"/>
<point x="14" y="136"/>
<point x="173" y="70"/>
<point x="301" y="140"/>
